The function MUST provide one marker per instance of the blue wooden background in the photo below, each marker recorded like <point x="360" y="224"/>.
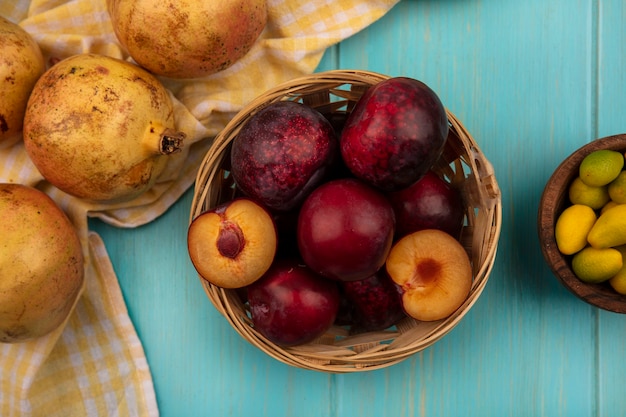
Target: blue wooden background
<point x="531" y="80"/>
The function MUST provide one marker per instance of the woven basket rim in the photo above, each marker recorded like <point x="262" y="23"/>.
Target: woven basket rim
<point x="382" y="349"/>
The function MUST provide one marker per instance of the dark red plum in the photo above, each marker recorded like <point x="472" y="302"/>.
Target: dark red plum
<point x="282" y="153"/>
<point x="376" y="302"/>
<point x="291" y="305"/>
<point x="395" y="133"/>
<point x="345" y="229"/>
<point x="430" y="203"/>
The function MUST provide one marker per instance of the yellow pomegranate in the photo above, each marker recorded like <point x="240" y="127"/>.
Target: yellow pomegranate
<point x="100" y="128"/>
<point x="21" y="64"/>
<point x="187" y="38"/>
<point x="41" y="264"/>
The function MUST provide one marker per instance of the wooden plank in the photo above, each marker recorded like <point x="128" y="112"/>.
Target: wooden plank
<point x="611" y="101"/>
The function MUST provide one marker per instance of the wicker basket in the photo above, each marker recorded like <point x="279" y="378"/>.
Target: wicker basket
<point x="462" y="163"/>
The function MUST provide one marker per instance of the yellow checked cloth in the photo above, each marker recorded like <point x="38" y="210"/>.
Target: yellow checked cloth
<point x="94" y="365"/>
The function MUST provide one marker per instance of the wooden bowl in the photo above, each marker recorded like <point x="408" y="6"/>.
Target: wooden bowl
<point x="339" y="351"/>
<point x="553" y="201"/>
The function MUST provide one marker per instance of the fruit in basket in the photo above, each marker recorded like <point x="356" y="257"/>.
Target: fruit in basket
<point x="282" y="153"/>
<point x="592" y="229"/>
<point x="100" y="128"/>
<point x="434" y="271"/>
<point x="595" y="265"/>
<point x="617" y="189"/>
<point x="345" y="229"/>
<point x="618" y="281"/>
<point x="376" y="302"/>
<point x="607" y="206"/>
<point x="187" y="39"/>
<point x="600" y="167"/>
<point x="588" y="195"/>
<point x="429" y="203"/>
<point x="21" y="65"/>
<point x="291" y="305"/>
<point x="395" y="133"/>
<point x="572" y="227"/>
<point x="41" y="264"/>
<point x="232" y="245"/>
<point x="610" y="228"/>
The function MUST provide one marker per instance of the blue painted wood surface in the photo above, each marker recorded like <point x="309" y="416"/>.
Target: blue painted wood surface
<point x="531" y="80"/>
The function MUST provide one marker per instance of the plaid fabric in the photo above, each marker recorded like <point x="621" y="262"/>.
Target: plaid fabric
<point x="94" y="365"/>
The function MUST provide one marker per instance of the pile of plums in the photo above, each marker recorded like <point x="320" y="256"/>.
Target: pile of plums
<point x="339" y="221"/>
